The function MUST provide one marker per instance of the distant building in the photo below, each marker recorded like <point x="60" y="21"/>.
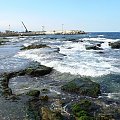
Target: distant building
<point x="67" y="32"/>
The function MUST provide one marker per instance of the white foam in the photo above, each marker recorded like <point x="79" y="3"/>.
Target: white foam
<point x="55" y="91"/>
<point x="114" y="95"/>
<point x="83" y="65"/>
<point x="77" y="59"/>
<point x="100" y="35"/>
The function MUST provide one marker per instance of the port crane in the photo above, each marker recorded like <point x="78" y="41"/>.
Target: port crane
<point x="26" y="30"/>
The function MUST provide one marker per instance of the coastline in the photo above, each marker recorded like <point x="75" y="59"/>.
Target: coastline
<point x="36" y="33"/>
<point x="50" y="92"/>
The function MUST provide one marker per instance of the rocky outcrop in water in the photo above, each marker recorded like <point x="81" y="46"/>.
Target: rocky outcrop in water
<point x="34" y="47"/>
<point x="94" y="47"/>
<point x="115" y="45"/>
<point x="37" y="70"/>
<point x="2" y="41"/>
<point x="82" y="86"/>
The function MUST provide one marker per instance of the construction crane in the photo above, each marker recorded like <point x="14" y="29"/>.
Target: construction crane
<point x="26" y="30"/>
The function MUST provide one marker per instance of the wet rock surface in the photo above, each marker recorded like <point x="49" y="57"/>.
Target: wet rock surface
<point x="82" y="86"/>
<point x="34" y="103"/>
<point x="46" y="101"/>
<point x="115" y="45"/>
<point x="33" y="46"/>
<point x="97" y="47"/>
<point x="73" y="107"/>
<point x="35" y="69"/>
<point x="34" y="93"/>
<point x="3" y="41"/>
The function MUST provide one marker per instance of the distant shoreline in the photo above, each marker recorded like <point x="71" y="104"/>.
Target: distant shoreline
<point x="35" y="33"/>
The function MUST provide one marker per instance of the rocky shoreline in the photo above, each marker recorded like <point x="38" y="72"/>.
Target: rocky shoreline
<point x="81" y="107"/>
<point x="81" y="97"/>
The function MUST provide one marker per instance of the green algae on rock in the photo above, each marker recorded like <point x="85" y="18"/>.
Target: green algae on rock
<point x="37" y="70"/>
<point x="84" y="109"/>
<point x="34" y="93"/>
<point x="82" y="86"/>
<point x="83" y="105"/>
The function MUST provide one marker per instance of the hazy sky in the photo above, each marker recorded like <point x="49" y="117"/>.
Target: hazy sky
<point x="87" y="15"/>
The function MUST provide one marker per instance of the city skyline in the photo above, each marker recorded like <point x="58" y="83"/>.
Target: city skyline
<point x="92" y="15"/>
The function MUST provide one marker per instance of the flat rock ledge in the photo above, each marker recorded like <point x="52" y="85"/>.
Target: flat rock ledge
<point x="82" y="86"/>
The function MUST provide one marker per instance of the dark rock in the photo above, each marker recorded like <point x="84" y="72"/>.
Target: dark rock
<point x="34" y="93"/>
<point x="100" y="52"/>
<point x="53" y="38"/>
<point x="34" y="69"/>
<point x="69" y="47"/>
<point x="82" y="86"/>
<point x="44" y="90"/>
<point x="34" y="47"/>
<point x="109" y="43"/>
<point x="37" y="70"/>
<point x="44" y="98"/>
<point x="93" y="48"/>
<point x="115" y="45"/>
<point x="99" y="45"/>
<point x="33" y="109"/>
<point x="56" y="49"/>
<point x="81" y="41"/>
<point x="2" y="41"/>
<point x="14" y="98"/>
<point x="7" y="92"/>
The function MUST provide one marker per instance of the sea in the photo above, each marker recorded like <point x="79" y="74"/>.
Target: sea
<point x="68" y="56"/>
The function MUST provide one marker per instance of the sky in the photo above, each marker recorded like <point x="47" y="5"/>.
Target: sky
<point x="87" y="15"/>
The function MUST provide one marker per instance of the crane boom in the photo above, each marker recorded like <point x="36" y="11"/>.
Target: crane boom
<point x="26" y="30"/>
